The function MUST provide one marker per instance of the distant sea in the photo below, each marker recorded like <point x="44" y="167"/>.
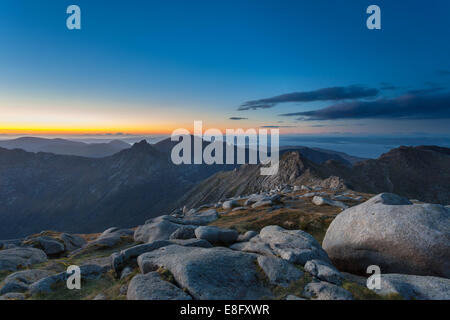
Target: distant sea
<point x="365" y="147"/>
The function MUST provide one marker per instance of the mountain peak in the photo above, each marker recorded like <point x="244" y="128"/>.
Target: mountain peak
<point x="141" y="145"/>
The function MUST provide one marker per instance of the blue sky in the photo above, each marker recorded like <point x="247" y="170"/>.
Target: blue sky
<point x="151" y="66"/>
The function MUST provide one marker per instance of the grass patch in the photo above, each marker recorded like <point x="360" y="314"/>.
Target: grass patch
<point x="166" y="275"/>
<point x="295" y="288"/>
<point x="98" y="251"/>
<point x="363" y="293"/>
<point x="307" y="217"/>
<point x="4" y="274"/>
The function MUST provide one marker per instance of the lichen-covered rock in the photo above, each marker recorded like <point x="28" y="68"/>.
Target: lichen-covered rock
<point x="150" y="286"/>
<point x="254" y="245"/>
<point x="49" y="245"/>
<point x="215" y="235"/>
<point x="45" y="285"/>
<point x="156" y="229"/>
<point x="12" y="259"/>
<point x="262" y="203"/>
<point x="326" y="291"/>
<point x="120" y="260"/>
<point x="415" y="287"/>
<point x="279" y="272"/>
<point x="320" y="201"/>
<point x="184" y="232"/>
<point x="200" y="218"/>
<point x="324" y="271"/>
<point x="295" y="246"/>
<point x="13" y="296"/>
<point x="230" y="204"/>
<point x="127" y="257"/>
<point x="72" y="242"/>
<point x="246" y="236"/>
<point x="20" y="281"/>
<point x="209" y="274"/>
<point x="292" y="297"/>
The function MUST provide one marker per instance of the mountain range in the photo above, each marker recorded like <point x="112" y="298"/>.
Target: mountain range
<point x="41" y="191"/>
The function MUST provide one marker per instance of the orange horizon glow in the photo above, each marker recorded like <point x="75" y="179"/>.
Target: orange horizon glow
<point x="160" y="130"/>
<point x="154" y="130"/>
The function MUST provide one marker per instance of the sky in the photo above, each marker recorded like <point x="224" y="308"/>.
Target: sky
<point x="305" y="67"/>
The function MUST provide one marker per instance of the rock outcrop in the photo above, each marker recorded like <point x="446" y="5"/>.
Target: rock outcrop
<point x="215" y="273"/>
<point x="150" y="286"/>
<point x="12" y="259"/>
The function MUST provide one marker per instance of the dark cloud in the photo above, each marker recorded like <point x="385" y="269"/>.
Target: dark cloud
<point x="385" y="88"/>
<point x="404" y="107"/>
<point x="324" y="94"/>
<point x="425" y="91"/>
<point x="237" y="118"/>
<point x="388" y="86"/>
<point x="443" y="72"/>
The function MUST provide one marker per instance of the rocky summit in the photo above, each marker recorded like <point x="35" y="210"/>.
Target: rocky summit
<point x="305" y="242"/>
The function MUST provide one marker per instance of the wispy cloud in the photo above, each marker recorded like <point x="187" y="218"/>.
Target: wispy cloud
<point x="324" y="94"/>
<point x="277" y="127"/>
<point x="408" y="106"/>
<point x="237" y="118"/>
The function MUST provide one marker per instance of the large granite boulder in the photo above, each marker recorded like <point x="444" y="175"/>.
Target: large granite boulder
<point x="150" y="286"/>
<point x="209" y="274"/>
<point x="391" y="232"/>
<point x="19" y="257"/>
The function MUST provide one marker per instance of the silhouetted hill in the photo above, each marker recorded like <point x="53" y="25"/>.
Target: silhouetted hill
<point x="46" y="191"/>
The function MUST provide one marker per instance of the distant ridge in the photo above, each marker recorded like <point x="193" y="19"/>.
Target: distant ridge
<point x="65" y="147"/>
